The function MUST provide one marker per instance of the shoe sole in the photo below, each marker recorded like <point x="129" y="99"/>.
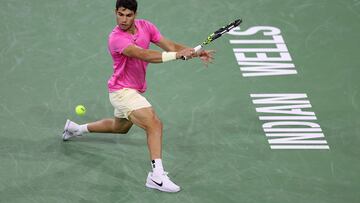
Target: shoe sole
<point x="159" y="188"/>
<point x="65" y="127"/>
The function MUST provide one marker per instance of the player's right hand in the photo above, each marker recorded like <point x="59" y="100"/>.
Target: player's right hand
<point x="187" y="53"/>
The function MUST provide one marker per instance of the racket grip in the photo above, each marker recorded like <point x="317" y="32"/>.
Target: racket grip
<point x="198" y="48"/>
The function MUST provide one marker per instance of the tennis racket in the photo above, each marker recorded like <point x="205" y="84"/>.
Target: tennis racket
<point x="218" y="33"/>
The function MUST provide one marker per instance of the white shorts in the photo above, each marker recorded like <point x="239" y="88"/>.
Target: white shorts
<point x="126" y="101"/>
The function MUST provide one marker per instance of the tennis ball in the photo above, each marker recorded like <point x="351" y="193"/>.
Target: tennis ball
<point x="80" y="110"/>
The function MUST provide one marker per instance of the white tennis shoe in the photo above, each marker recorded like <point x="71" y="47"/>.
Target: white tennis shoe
<point x="71" y="129"/>
<point x="161" y="182"/>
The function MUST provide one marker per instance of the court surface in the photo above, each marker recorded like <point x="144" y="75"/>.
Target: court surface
<point x="53" y="56"/>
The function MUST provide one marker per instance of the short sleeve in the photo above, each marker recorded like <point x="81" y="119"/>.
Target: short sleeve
<point x="118" y="44"/>
<point x="155" y="35"/>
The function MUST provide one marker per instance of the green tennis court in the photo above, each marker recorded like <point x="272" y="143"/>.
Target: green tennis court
<point x="256" y="126"/>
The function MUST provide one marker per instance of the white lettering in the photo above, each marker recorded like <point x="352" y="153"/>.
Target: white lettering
<point x="240" y="57"/>
<point x="277" y="39"/>
<point x="291" y="109"/>
<point x="293" y="123"/>
<point x="266" y="69"/>
<point x="276" y="118"/>
<point x="267" y="65"/>
<point x="279" y="48"/>
<point x="253" y="30"/>
<point x="293" y="131"/>
<point x="296" y="138"/>
<point x="299" y="147"/>
<point x="280" y="98"/>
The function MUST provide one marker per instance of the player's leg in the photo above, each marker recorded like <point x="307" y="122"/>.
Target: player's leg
<point x="118" y="124"/>
<point x="147" y="119"/>
<point x="110" y="125"/>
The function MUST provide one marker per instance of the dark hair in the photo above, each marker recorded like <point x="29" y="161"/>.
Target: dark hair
<point x="129" y="4"/>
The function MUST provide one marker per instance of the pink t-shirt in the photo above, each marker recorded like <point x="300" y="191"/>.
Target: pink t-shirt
<point x="130" y="72"/>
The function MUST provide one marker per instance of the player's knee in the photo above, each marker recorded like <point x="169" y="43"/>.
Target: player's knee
<point x="120" y="130"/>
<point x="154" y="124"/>
<point x="123" y="131"/>
<point x="158" y="123"/>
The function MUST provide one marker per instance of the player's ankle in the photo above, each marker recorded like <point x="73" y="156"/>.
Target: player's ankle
<point x="83" y="128"/>
<point x="157" y="167"/>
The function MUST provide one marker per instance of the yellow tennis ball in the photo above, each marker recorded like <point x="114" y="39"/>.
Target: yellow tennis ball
<point x="80" y="110"/>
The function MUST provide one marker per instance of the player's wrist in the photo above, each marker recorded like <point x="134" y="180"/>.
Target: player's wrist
<point x="169" y="56"/>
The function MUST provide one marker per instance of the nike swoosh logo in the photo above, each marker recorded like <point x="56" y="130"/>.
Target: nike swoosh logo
<point x="159" y="184"/>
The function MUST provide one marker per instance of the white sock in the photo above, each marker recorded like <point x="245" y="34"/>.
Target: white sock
<point x="157" y="166"/>
<point x="83" y="128"/>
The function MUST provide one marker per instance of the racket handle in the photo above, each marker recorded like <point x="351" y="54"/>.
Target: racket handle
<point x="198" y="48"/>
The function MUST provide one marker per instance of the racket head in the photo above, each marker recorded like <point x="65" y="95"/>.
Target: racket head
<point x="237" y="22"/>
<point x="218" y="33"/>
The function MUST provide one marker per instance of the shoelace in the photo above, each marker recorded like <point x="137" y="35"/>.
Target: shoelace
<point x="66" y="131"/>
<point x="75" y="133"/>
<point x="166" y="174"/>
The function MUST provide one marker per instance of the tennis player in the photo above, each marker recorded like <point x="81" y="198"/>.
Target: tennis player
<point x="129" y="47"/>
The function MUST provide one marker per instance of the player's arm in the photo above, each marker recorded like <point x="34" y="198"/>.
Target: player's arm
<point x="206" y="56"/>
<point x="153" y="56"/>
<point x="169" y="45"/>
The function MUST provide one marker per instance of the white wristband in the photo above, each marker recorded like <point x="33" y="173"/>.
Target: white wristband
<point x="168" y="56"/>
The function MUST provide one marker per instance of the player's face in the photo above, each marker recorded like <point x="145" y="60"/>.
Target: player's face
<point x="125" y="18"/>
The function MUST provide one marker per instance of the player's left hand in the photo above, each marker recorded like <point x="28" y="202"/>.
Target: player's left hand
<point x="206" y="56"/>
